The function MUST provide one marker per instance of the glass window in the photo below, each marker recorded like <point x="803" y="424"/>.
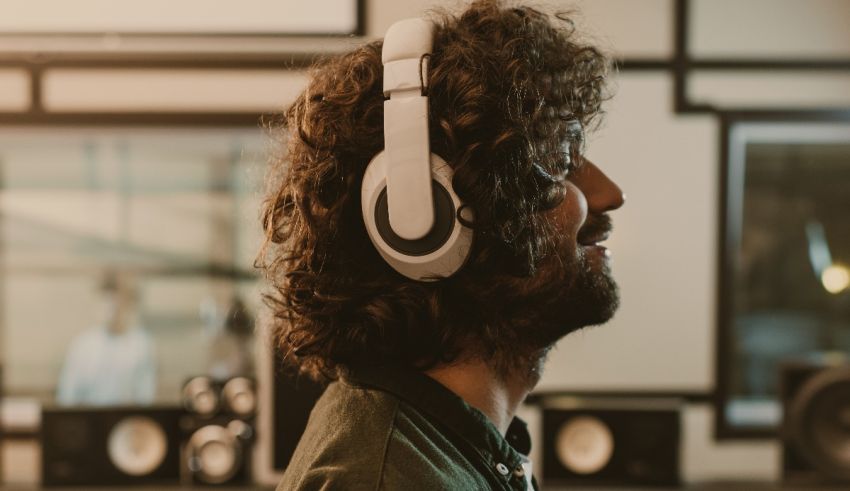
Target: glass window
<point x="127" y="258"/>
<point x="787" y="259"/>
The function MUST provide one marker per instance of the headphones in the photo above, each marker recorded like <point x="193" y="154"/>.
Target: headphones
<point x="409" y="206"/>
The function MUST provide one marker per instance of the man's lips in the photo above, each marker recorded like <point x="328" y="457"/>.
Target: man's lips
<point x="594" y="241"/>
<point x="597" y="229"/>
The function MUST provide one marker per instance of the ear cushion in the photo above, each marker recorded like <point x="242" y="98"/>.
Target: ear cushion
<point x="439" y="254"/>
<point x="444" y="221"/>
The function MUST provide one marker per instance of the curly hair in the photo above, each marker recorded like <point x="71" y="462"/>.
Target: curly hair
<point x="508" y="88"/>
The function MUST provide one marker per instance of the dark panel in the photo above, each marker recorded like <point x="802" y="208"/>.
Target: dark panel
<point x="294" y="398"/>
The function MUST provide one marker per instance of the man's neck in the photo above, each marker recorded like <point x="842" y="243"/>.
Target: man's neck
<point x="479" y="384"/>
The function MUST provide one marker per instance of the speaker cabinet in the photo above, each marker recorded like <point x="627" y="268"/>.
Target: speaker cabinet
<point x="293" y="400"/>
<point x="612" y="442"/>
<point x="816" y="422"/>
<point x="114" y="446"/>
<point x="218" y="430"/>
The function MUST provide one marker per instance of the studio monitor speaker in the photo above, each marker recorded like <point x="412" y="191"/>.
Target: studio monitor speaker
<point x="816" y="422"/>
<point x="611" y="442"/>
<point x="111" y="446"/>
<point x="218" y="430"/>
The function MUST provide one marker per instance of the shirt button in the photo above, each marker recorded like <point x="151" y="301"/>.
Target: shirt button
<point x="503" y="469"/>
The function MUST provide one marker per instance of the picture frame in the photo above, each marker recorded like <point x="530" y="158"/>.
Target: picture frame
<point x="263" y="18"/>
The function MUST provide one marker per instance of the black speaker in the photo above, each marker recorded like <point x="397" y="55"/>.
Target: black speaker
<point x="816" y="422"/>
<point x="2" y="428"/>
<point x="110" y="446"/>
<point x="218" y="430"/>
<point x="611" y="442"/>
<point x="294" y="398"/>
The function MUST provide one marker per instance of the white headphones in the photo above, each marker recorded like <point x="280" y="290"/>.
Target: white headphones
<point x="408" y="203"/>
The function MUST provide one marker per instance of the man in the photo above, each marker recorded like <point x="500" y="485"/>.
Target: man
<point x="427" y="375"/>
<point x="113" y="363"/>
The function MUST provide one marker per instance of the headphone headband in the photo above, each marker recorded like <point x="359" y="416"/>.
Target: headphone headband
<point x="406" y="143"/>
<point x="405" y="46"/>
<point x="408" y="38"/>
<point x="408" y="203"/>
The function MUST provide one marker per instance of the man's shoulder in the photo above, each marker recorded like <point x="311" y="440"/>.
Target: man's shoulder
<point x="419" y="446"/>
<point x="345" y="411"/>
<point x="367" y="439"/>
<point x="345" y="442"/>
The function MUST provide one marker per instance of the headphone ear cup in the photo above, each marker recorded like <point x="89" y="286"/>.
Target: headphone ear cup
<point x="444" y="220"/>
<point x="439" y="254"/>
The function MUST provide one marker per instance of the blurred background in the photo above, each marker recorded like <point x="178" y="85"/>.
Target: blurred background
<point x="132" y="159"/>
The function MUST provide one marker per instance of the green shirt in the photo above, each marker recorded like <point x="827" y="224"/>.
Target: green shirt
<point x="395" y="429"/>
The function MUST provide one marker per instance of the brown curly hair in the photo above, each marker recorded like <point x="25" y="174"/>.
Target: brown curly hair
<point x="507" y="87"/>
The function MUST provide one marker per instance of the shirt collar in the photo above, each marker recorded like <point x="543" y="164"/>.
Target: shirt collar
<point x="450" y="410"/>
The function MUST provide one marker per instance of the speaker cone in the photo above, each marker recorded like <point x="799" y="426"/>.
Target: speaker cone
<point x="585" y="444"/>
<point x="240" y="397"/>
<point x="215" y="454"/>
<point x="137" y="445"/>
<point x="820" y="422"/>
<point x="200" y="397"/>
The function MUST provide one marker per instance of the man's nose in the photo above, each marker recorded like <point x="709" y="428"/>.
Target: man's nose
<point x="601" y="192"/>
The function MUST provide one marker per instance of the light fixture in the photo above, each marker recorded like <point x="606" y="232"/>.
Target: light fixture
<point x="835" y="278"/>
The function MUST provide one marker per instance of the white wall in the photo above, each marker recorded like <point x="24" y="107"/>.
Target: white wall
<point x="663" y="249"/>
<point x="770" y="28"/>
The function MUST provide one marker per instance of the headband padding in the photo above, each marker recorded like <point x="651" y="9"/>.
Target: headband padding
<point x="406" y="39"/>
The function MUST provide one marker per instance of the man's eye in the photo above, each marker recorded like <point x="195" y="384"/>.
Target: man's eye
<point x="575" y="130"/>
<point x="574" y="161"/>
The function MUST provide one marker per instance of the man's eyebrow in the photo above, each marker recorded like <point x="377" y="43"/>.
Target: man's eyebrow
<point x="576" y="134"/>
<point x="574" y="141"/>
<point x="575" y="130"/>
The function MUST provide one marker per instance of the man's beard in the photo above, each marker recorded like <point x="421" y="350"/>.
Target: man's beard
<point x="590" y="300"/>
<point x="584" y="294"/>
<point x="571" y="292"/>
